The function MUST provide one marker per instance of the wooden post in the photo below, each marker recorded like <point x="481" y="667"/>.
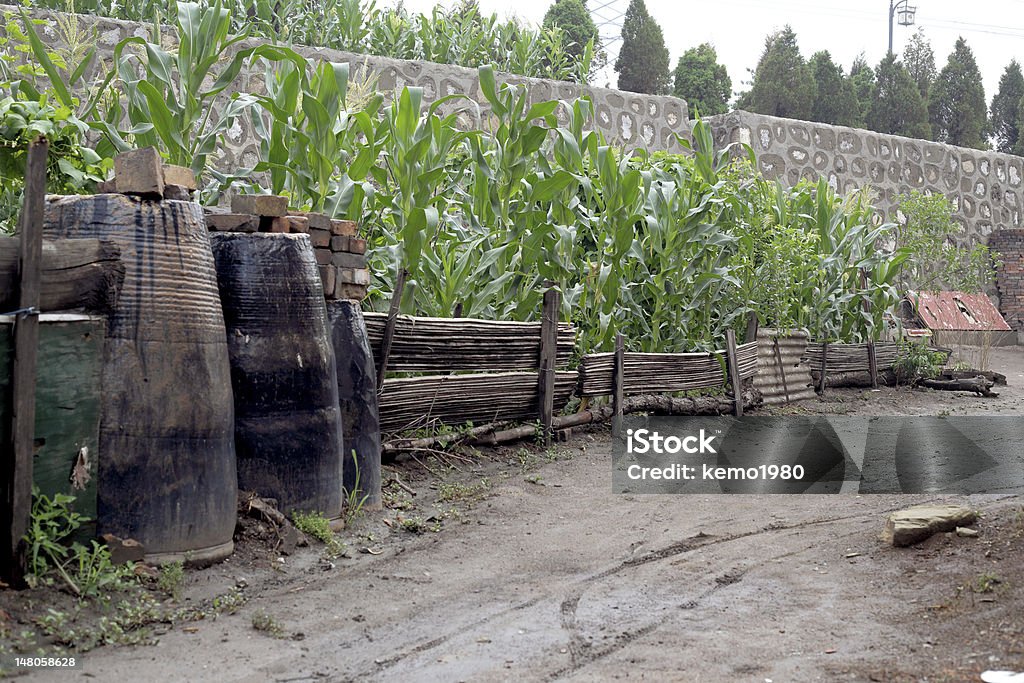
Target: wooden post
<point x="548" y="358"/>
<point x="872" y="365"/>
<point x="824" y="367"/>
<point x="617" y="382"/>
<point x="734" y="372"/>
<point x="389" y="327"/>
<point x="872" y="361"/>
<point x="17" y="463"/>
<point x="752" y="325"/>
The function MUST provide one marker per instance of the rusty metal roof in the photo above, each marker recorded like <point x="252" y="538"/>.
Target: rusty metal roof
<point x="958" y="311"/>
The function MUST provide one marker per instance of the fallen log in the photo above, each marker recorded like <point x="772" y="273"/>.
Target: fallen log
<point x="441" y="439"/>
<point x="76" y="274"/>
<point x="978" y="385"/>
<point x="995" y="377"/>
<point x="659" y="405"/>
<point x="854" y="379"/>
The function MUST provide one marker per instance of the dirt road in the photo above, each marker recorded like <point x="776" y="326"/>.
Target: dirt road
<point x="533" y="570"/>
<point x="555" y="578"/>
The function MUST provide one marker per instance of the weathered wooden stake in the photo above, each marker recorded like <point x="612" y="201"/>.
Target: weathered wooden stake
<point x="734" y="371"/>
<point x="872" y="361"/>
<point x="872" y="365"/>
<point x="617" y="382"/>
<point x="752" y="325"/>
<point x="389" y="327"/>
<point x="17" y="463"/>
<point x="546" y="371"/>
<point x="824" y="367"/>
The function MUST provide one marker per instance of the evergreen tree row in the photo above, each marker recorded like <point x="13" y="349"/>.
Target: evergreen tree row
<point x="905" y="95"/>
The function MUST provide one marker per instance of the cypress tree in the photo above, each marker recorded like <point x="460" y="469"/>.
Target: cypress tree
<point x="896" y="106"/>
<point x="643" y="63"/>
<point x="783" y="84"/>
<point x="702" y="81"/>
<point x="1006" y="109"/>
<point x="957" y="107"/>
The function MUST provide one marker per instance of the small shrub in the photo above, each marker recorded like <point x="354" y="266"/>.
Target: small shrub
<point x="86" y="570"/>
<point x="916" y="361"/>
<point x="315" y="525"/>
<point x="265" y="623"/>
<point x="172" y="579"/>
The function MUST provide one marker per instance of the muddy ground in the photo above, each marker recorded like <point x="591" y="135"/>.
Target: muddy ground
<point x="520" y="563"/>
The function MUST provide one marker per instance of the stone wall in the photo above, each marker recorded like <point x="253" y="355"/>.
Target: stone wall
<point x="626" y="119"/>
<point x="985" y="187"/>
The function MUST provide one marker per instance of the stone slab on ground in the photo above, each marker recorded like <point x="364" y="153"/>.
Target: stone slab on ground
<point x="915" y="524"/>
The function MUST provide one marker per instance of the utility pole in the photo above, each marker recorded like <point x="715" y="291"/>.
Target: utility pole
<point x="906" y="12"/>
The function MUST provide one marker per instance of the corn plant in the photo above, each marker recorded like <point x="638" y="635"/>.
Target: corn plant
<point x="307" y="132"/>
<point x="169" y="97"/>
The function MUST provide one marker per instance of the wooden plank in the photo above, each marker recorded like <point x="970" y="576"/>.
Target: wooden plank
<point x="17" y="503"/>
<point x="824" y="368"/>
<point x="872" y="365"/>
<point x="734" y="372"/>
<point x="546" y="369"/>
<point x="67" y="404"/>
<point x="617" y="384"/>
<point x="389" y="329"/>
<point x="752" y="324"/>
<point x="75" y="273"/>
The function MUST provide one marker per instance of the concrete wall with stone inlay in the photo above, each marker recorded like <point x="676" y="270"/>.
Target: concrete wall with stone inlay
<point x="985" y="187"/>
<point x="628" y="120"/>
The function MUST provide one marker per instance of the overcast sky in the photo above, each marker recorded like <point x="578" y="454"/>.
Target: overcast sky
<point x="994" y="29"/>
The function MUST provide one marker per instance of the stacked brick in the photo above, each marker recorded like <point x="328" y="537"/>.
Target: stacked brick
<point x="1009" y="248"/>
<point x="142" y="173"/>
<point x="340" y="252"/>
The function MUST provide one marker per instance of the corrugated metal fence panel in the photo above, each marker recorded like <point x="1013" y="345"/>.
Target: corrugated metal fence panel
<point x="791" y="348"/>
<point x="657" y="373"/>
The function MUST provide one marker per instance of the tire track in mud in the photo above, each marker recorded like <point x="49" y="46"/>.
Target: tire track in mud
<point x="585" y="656"/>
<point x="578" y="650"/>
<point x="589" y="656"/>
<point x="442" y="639"/>
<point x="581" y="653"/>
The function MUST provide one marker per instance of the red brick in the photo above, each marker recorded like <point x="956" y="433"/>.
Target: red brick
<point x="340" y="243"/>
<point x="347" y="228"/>
<point x="179" y="175"/>
<point x="275" y="224"/>
<point x="354" y="276"/>
<point x="320" y="238"/>
<point x="260" y="204"/>
<point x="232" y="222"/>
<point x="356" y="245"/>
<point x="139" y="172"/>
<point x="328" y="279"/>
<point x="298" y="224"/>
<point x="346" y="260"/>
<point x="348" y="291"/>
